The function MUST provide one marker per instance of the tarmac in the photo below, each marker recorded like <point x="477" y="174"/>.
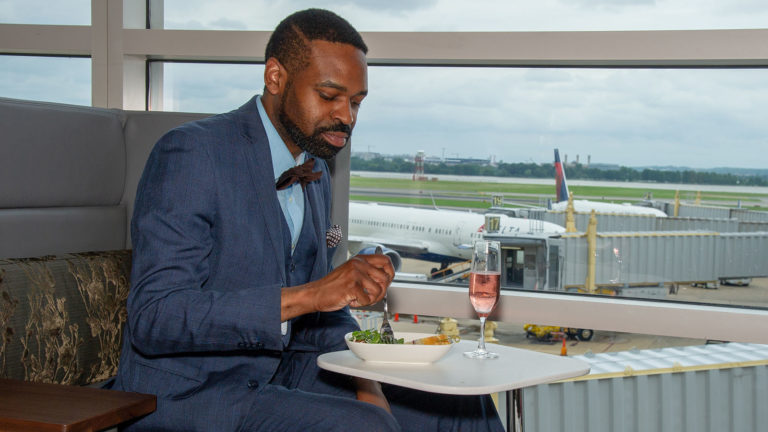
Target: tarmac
<point x="513" y="334"/>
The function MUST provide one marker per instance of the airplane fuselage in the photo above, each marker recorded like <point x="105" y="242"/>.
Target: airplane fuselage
<point x="586" y="206"/>
<point x="429" y="234"/>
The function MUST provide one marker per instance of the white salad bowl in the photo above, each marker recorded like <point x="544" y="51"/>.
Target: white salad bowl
<point x="399" y="353"/>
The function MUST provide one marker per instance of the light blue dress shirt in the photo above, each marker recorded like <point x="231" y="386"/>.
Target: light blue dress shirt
<point x="291" y="198"/>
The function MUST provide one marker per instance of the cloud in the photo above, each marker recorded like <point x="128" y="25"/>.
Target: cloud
<point x="72" y="12"/>
<point x="487" y="15"/>
<point x="625" y="116"/>
<point x="29" y="77"/>
<point x="197" y="87"/>
<point x="394" y="7"/>
<point x="698" y="117"/>
<point x="615" y="5"/>
<point x="230" y="24"/>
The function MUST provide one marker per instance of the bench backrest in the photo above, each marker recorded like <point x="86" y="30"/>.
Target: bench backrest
<point x="68" y="174"/>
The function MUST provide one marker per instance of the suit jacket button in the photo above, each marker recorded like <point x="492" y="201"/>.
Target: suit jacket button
<point x="252" y="384"/>
<point x="293" y="267"/>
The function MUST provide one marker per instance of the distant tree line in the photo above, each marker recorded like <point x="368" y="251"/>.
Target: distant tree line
<point x="573" y="171"/>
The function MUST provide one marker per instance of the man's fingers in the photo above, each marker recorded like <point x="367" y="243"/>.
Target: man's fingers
<point x="381" y="268"/>
<point x="374" y="289"/>
<point x="361" y="281"/>
<point x="380" y="276"/>
<point x="362" y="294"/>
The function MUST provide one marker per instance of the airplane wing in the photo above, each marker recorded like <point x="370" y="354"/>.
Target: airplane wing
<point x="411" y="247"/>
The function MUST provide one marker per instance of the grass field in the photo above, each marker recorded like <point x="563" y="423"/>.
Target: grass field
<point x="513" y="191"/>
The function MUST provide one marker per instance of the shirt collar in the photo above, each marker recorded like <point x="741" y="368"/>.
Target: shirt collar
<point x="282" y="159"/>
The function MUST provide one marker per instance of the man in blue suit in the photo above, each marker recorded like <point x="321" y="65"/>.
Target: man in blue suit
<point x="232" y="293"/>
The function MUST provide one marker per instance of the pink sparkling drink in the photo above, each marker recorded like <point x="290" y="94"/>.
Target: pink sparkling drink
<point x="484" y="281"/>
<point x="484" y="291"/>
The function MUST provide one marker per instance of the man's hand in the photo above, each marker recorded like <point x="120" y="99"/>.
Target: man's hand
<point x="361" y="281"/>
<point x="370" y="391"/>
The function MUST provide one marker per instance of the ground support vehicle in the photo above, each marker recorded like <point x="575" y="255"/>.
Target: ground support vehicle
<point x="550" y="333"/>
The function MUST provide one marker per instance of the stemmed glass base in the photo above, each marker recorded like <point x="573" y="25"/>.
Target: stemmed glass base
<point x="481" y="353"/>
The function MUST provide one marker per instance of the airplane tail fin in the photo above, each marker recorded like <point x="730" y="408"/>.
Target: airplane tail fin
<point x="561" y="188"/>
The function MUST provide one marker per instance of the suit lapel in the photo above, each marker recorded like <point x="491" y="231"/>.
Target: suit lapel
<point x="259" y="160"/>
<point x="314" y="198"/>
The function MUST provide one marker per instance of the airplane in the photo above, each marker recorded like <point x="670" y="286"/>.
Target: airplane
<point x="435" y="235"/>
<point x="585" y="206"/>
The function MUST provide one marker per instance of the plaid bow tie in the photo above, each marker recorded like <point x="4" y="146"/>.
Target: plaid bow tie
<point x="302" y="173"/>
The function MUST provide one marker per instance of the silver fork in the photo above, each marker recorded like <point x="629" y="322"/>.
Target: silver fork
<point x="387" y="335"/>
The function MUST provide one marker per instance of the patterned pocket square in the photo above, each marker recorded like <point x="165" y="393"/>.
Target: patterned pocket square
<point x="333" y="236"/>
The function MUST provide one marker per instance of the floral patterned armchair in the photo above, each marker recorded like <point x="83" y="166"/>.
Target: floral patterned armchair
<point x="61" y="317"/>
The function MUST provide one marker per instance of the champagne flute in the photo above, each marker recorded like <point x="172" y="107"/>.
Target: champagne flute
<point x="484" y="279"/>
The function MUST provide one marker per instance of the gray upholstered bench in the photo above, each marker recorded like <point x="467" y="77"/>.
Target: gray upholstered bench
<point x="68" y="176"/>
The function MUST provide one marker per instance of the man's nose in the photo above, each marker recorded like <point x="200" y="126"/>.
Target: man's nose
<point x="343" y="113"/>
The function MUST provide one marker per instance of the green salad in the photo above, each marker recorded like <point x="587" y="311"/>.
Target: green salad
<point x="371" y="336"/>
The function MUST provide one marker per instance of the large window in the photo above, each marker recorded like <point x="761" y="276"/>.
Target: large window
<point x="486" y="15"/>
<point x="661" y="125"/>
<point x="631" y="117"/>
<point x="696" y="118"/>
<point x="208" y="88"/>
<point x="53" y="79"/>
<point x="505" y="85"/>
<point x="61" y="12"/>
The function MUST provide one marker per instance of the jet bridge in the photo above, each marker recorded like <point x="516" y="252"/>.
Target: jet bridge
<point x="618" y="262"/>
<point x="631" y="263"/>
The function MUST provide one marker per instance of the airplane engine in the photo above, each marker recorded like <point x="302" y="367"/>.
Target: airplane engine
<point x="397" y="262"/>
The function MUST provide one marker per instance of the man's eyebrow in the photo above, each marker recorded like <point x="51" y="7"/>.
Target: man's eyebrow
<point x="337" y="86"/>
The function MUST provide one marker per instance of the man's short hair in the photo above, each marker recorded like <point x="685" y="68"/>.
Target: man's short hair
<point x="289" y="43"/>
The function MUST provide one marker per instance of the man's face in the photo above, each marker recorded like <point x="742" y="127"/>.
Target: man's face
<point x="319" y="104"/>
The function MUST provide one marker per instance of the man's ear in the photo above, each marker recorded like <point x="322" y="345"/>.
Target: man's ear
<point x="275" y="76"/>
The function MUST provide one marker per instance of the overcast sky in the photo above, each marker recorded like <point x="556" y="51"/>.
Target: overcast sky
<point x="697" y="118"/>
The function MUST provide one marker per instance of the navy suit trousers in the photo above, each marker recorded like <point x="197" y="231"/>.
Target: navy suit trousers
<point x="325" y="401"/>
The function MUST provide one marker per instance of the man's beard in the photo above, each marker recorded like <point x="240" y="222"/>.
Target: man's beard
<point x="315" y="143"/>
